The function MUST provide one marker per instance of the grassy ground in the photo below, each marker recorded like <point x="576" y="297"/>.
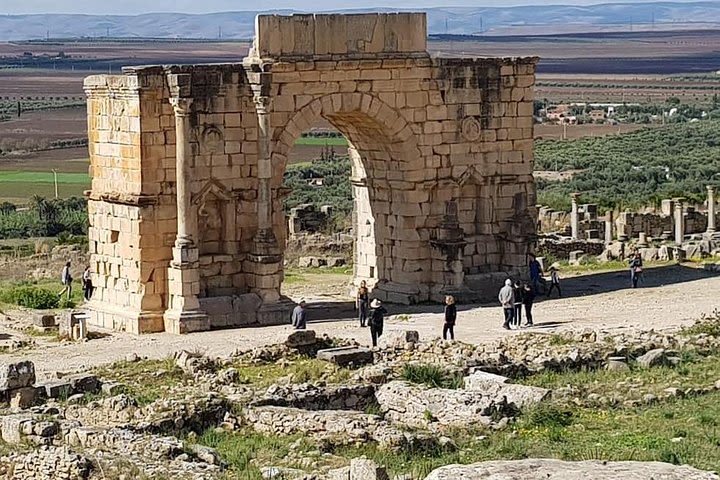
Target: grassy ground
<point x="18" y="186"/>
<point x="49" y="284"/>
<point x="147" y="380"/>
<point x="331" y="141"/>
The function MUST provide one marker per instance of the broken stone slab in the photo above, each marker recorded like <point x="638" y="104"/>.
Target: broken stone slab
<point x="522" y="396"/>
<point x="44" y="320"/>
<point x="23" y="398"/>
<point x="12" y="427"/>
<point x="112" y="388"/>
<point x="364" y="469"/>
<point x="82" y="383"/>
<point x="17" y="375"/>
<point x="482" y="376"/>
<point x="301" y="338"/>
<point x="402" y="338"/>
<point x="653" y="358"/>
<point x="57" y="390"/>
<point x="344" y="356"/>
<point x="420" y="407"/>
<point x="617" y="364"/>
<point x="547" y="469"/>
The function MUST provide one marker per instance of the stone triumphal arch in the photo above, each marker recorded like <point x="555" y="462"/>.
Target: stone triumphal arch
<point x="187" y="227"/>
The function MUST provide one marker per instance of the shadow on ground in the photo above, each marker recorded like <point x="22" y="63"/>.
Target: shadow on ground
<point x="577" y="286"/>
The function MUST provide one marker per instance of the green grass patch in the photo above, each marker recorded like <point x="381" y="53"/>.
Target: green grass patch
<point x="39" y="294"/>
<point x="299" y="371"/>
<point x="707" y="325"/>
<point x="146" y="380"/>
<point x="9" y="176"/>
<point x="431" y="375"/>
<point x="321" y="141"/>
<point x="692" y="372"/>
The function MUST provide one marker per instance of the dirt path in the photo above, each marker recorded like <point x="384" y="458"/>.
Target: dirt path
<point x="669" y="297"/>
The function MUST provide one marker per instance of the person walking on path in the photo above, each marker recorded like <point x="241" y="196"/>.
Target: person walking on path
<point x="554" y="282"/>
<point x="535" y="273"/>
<point x="636" y="269"/>
<point x="376" y="320"/>
<point x="528" y="299"/>
<point x="507" y="300"/>
<point x="450" y="317"/>
<point x="362" y="303"/>
<point x="66" y="279"/>
<point x="87" y="284"/>
<point x="299" y="316"/>
<point x="518" y="294"/>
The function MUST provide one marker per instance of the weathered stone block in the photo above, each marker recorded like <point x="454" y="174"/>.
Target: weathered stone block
<point x="16" y="375"/>
<point x="43" y="320"/>
<point x="301" y="338"/>
<point x="344" y="356"/>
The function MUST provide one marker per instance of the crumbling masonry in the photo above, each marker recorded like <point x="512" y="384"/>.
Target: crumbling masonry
<point x="187" y="227"/>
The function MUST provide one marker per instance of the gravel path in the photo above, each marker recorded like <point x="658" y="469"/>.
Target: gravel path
<point x="669" y="297"/>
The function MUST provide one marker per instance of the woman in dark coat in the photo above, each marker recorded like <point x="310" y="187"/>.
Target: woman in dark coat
<point x="450" y="317"/>
<point x="377" y="320"/>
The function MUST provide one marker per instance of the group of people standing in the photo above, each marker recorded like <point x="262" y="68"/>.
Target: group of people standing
<point x="67" y="280"/>
<point x="514" y="297"/>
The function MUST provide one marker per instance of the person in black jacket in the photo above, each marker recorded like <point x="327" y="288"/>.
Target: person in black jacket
<point x="528" y="299"/>
<point x="519" y="292"/>
<point x="377" y="320"/>
<point x="450" y="317"/>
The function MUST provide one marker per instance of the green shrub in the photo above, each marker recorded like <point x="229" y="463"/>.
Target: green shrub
<point x="30" y="296"/>
<point x="432" y="376"/>
<point x="549" y="416"/>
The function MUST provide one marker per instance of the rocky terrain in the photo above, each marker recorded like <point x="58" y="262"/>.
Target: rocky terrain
<point x="325" y="401"/>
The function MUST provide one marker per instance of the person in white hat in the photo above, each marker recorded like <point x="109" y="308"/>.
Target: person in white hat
<point x="377" y="320"/>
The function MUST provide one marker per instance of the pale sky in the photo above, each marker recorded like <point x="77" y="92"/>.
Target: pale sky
<point x="132" y="7"/>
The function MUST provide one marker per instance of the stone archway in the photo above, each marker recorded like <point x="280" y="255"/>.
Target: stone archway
<point x="176" y="149"/>
<point x="381" y="142"/>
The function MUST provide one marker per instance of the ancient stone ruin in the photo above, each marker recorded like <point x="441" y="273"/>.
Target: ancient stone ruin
<point x="187" y="228"/>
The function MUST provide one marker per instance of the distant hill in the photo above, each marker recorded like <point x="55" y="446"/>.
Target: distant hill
<point x="455" y="21"/>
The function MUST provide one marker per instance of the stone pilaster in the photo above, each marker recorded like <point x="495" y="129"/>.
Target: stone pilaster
<point x="266" y="259"/>
<point x="184" y="314"/>
<point x="711" y="209"/>
<point x="679" y="222"/>
<point x="574" y="218"/>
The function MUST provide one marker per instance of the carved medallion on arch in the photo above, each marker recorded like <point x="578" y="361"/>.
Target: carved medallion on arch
<point x="211" y="140"/>
<point x="471" y="129"/>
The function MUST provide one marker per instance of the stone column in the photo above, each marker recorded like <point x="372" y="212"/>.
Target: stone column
<point x="609" y="224"/>
<point x="711" y="209"/>
<point x="265" y="257"/>
<point x="679" y="222"/>
<point x="574" y="218"/>
<point x="184" y="314"/>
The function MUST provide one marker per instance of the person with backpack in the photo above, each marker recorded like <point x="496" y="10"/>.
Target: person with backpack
<point x="376" y="320"/>
<point x="554" y="282"/>
<point x="66" y="279"/>
<point x="450" y="317"/>
<point x="636" y="268"/>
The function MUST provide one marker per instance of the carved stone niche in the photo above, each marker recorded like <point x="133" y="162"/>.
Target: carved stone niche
<point x="215" y="213"/>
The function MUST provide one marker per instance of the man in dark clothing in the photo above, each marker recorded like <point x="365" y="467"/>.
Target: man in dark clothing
<point x="299" y="316"/>
<point x="519" y="293"/>
<point x="636" y="264"/>
<point x="535" y="273"/>
<point x="528" y="299"/>
<point x="377" y="320"/>
<point x="450" y="317"/>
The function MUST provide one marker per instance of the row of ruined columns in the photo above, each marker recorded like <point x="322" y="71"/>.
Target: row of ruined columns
<point x="678" y="219"/>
